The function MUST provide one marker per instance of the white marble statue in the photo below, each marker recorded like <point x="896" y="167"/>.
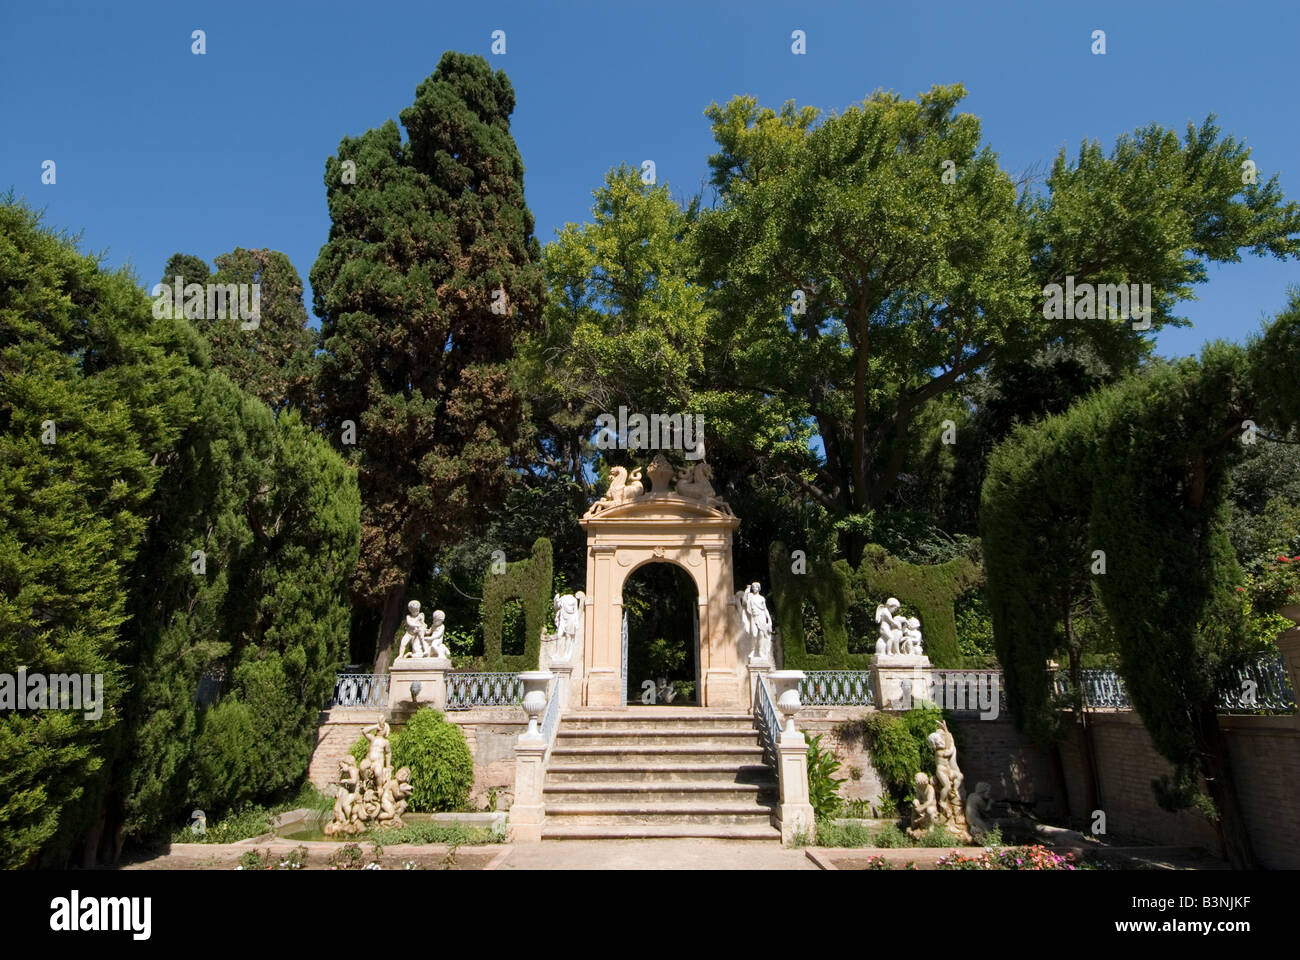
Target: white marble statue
<point x="891" y="627"/>
<point x="911" y="642"/>
<point x="756" y="620"/>
<point x="569" y="618"/>
<point x="925" y="810"/>
<point x="421" y="640"/>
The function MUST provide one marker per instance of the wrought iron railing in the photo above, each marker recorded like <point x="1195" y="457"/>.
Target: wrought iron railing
<point x="837" y="688"/>
<point x="1263" y="686"/>
<point x="769" y="721"/>
<point x="360" y="691"/>
<point x="468" y="690"/>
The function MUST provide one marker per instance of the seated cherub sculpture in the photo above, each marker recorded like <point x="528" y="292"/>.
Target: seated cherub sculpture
<point x="925" y="809"/>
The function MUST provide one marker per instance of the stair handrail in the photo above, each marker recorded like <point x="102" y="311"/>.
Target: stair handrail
<point x="769" y="722"/>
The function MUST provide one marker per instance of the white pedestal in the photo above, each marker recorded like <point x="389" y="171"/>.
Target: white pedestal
<point x="900" y="681"/>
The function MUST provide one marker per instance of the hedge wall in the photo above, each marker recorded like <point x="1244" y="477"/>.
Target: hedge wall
<point x="529" y="582"/>
<point x="926" y="591"/>
<point x="827" y="585"/>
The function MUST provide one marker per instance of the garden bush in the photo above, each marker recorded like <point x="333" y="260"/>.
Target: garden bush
<point x="442" y="770"/>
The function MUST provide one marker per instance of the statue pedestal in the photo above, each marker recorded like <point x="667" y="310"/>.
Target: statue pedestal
<point x="430" y="672"/>
<point x="900" y="681"/>
<point x="757" y="668"/>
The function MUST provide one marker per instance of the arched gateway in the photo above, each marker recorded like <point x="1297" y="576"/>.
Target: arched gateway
<point x="689" y="526"/>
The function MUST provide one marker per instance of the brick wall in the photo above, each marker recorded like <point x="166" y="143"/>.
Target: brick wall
<point x="490" y="733"/>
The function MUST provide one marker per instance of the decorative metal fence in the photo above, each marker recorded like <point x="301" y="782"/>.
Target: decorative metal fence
<point x="769" y="721"/>
<point x="360" y="691"/>
<point x="1263" y="686"/>
<point x="837" y="688"/>
<point x="468" y="690"/>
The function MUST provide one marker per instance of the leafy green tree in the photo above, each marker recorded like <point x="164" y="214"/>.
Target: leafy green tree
<point x="91" y="397"/>
<point x="429" y="275"/>
<point x="244" y="578"/>
<point x="271" y="356"/>
<point x="858" y="280"/>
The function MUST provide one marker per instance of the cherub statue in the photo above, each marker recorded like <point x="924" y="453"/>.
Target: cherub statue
<point x="415" y="632"/>
<point x="433" y="645"/>
<point x="346" y="798"/>
<point x="977" y="809"/>
<point x="911" y="642"/>
<point x="925" y="811"/>
<point x="392" y="801"/>
<point x="379" y="756"/>
<point x="891" y="627"/>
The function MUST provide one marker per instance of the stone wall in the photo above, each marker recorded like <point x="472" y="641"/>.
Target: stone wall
<point x="1265" y="755"/>
<point x="860" y="779"/>
<point x="490" y="733"/>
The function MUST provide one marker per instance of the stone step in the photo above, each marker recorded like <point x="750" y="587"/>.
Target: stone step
<point x="660" y="813"/>
<point x="619" y="736"/>
<point x="624" y="793"/>
<point x="618" y="721"/>
<point x="641" y="771"/>
<point x="703" y="831"/>
<point x="739" y="754"/>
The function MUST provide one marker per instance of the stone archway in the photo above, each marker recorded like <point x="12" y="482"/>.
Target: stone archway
<point x="690" y="527"/>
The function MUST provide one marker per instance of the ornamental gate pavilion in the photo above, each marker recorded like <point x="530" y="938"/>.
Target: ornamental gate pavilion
<point x="690" y="527"/>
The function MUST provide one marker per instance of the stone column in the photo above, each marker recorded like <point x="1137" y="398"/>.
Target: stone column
<point x="563" y="678"/>
<point x="795" y="812"/>
<point x="430" y="673"/>
<point x="528" y="810"/>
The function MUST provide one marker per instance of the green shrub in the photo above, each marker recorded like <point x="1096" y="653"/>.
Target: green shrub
<point x="823" y="788"/>
<point x="890" y="836"/>
<point x="452" y="834"/>
<point x="844" y="835"/>
<point x="442" y="770"/>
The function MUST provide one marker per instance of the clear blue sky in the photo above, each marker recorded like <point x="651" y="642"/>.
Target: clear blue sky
<point x="159" y="150"/>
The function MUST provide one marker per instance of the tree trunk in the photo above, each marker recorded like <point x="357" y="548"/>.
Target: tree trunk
<point x="1087" y="749"/>
<point x="388" y="628"/>
<point x="1216" y="766"/>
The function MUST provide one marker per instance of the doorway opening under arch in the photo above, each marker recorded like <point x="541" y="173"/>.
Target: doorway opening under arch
<point x="661" y="636"/>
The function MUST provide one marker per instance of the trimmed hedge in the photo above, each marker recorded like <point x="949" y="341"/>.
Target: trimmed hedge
<point x="827" y="586"/>
<point x="926" y="591"/>
<point x="529" y="582"/>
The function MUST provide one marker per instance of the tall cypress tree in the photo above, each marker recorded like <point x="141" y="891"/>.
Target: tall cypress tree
<point x="430" y="272"/>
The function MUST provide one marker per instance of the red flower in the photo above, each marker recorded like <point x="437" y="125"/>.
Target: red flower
<point x="1282" y="559"/>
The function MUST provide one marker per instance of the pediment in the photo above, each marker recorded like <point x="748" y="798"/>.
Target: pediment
<point x="660" y="508"/>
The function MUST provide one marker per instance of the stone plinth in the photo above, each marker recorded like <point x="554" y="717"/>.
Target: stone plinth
<point x="431" y="673"/>
<point x="900" y="681"/>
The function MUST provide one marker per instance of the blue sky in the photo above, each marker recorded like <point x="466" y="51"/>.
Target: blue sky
<point x="159" y="150"/>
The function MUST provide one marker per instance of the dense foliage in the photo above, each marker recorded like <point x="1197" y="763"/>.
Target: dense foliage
<point x="528" y="581"/>
<point x="1139" y="472"/>
<point x="429" y="274"/>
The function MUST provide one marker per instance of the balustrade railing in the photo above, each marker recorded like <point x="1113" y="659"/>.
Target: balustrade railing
<point x="968" y="690"/>
<point x="769" y="721"/>
<point x="468" y="690"/>
<point x="360" y="691"/>
<point x="1263" y="686"/>
<point x="551" y="718"/>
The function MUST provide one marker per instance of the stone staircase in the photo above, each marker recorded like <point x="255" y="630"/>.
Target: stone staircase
<point x="658" y="772"/>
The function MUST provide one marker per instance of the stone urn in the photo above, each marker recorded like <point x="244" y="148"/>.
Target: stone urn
<point x="535" y="684"/>
<point x="785" y="688"/>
